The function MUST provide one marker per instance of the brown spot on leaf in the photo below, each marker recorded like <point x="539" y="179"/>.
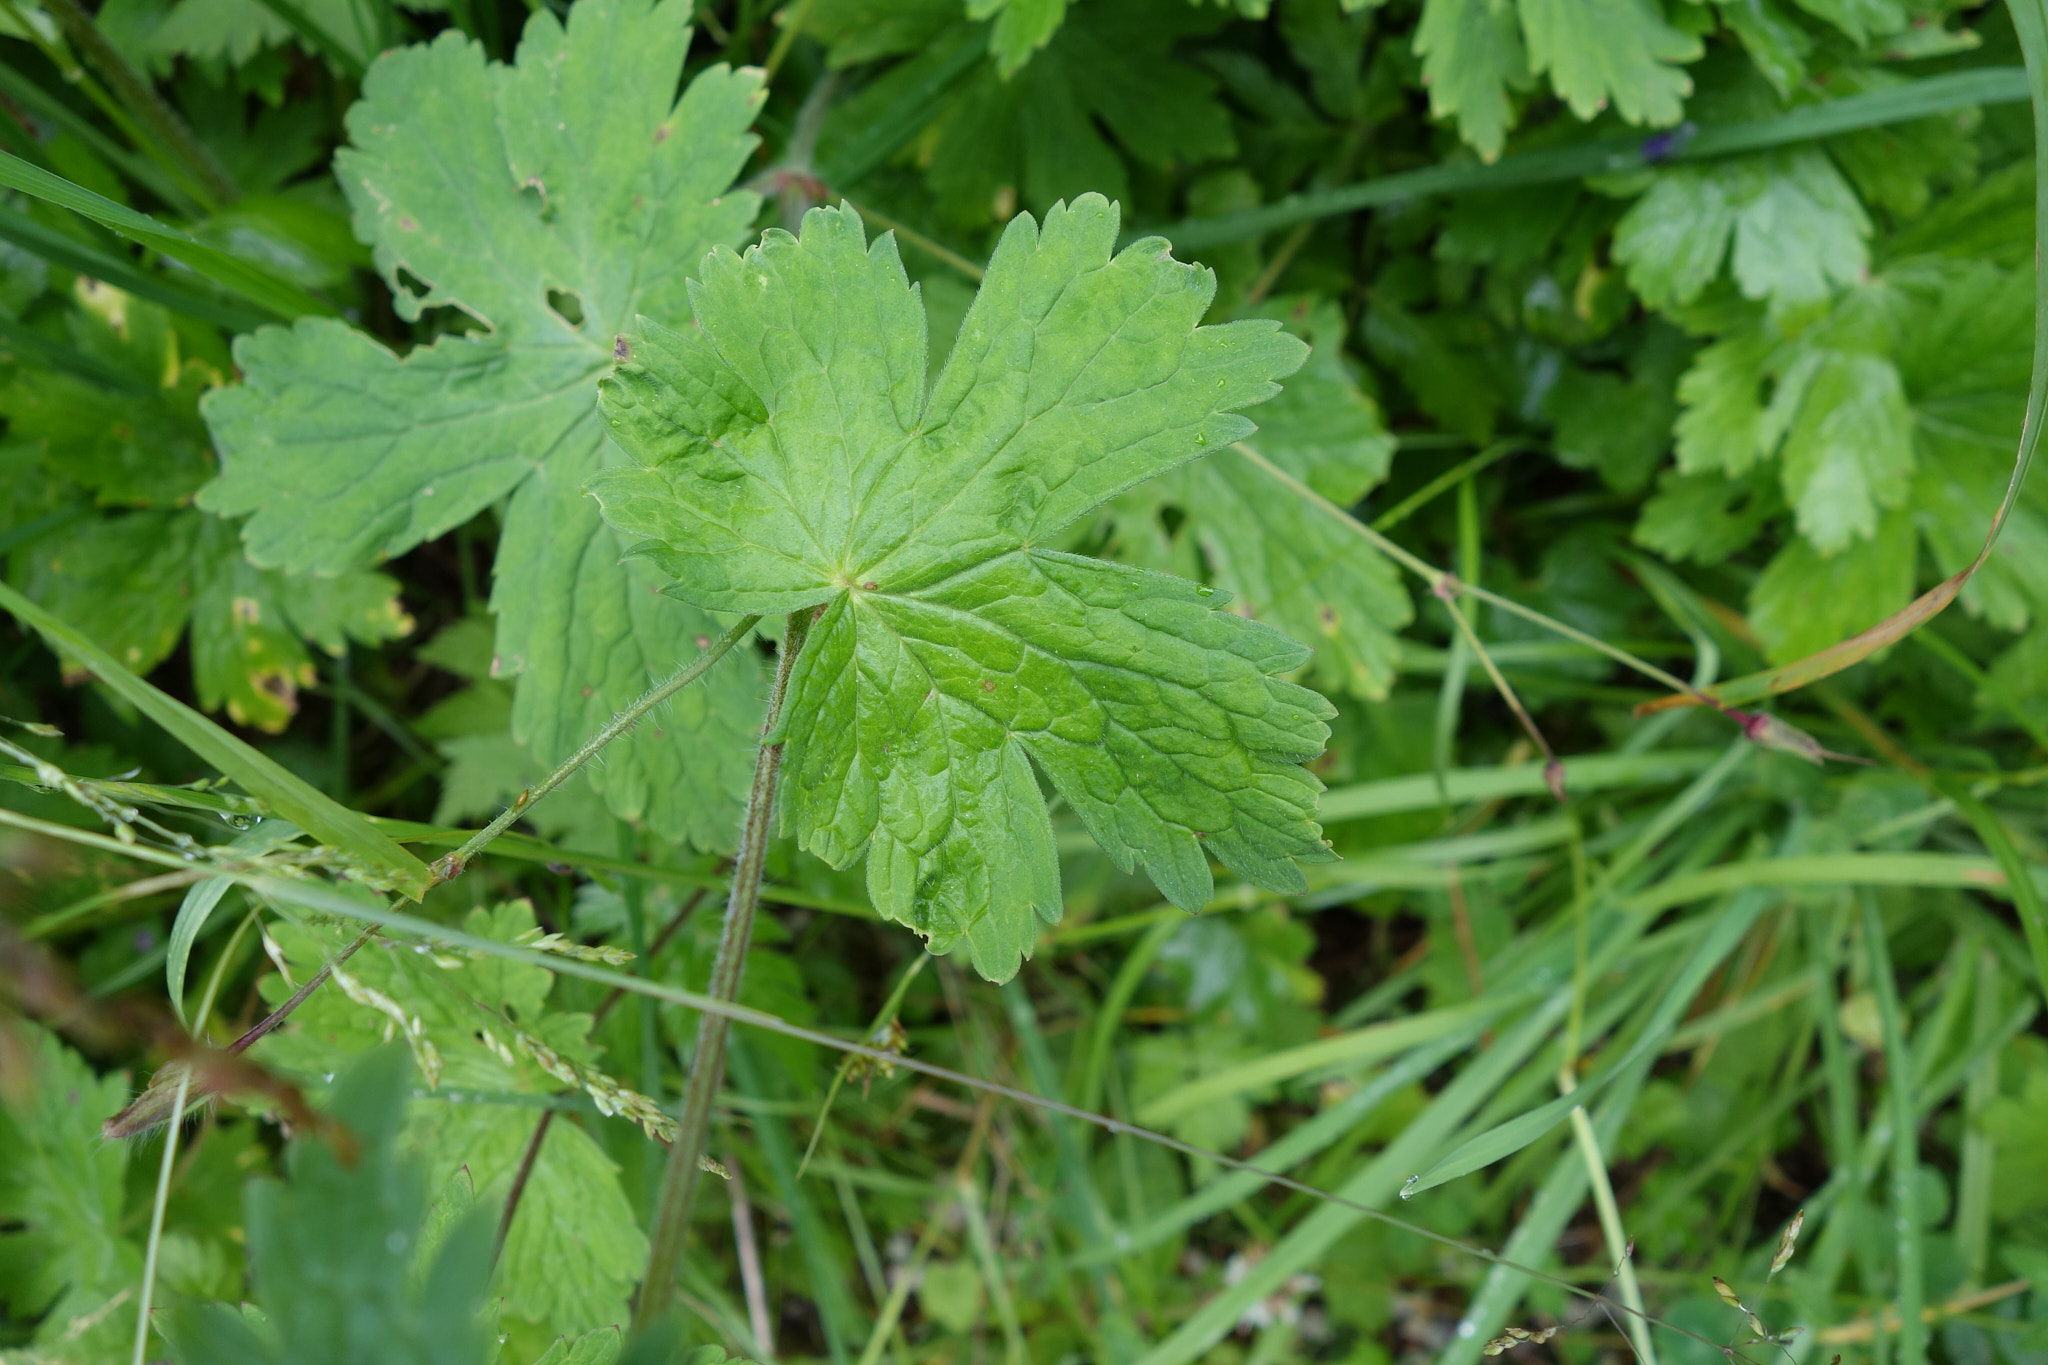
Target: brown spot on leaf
<point x="661" y="134"/>
<point x="407" y="222"/>
<point x="622" y="350"/>
<point x="988" y="684"/>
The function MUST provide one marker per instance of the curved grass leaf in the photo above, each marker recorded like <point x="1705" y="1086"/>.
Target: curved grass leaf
<point x="2021" y="878"/>
<point x="280" y="297"/>
<point x="381" y="860"/>
<point x="193" y="913"/>
<point x="53" y="246"/>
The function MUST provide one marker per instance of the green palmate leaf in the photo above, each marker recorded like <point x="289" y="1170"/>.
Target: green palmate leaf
<point x="1472" y="56"/>
<point x="236" y="30"/>
<point x="1021" y="28"/>
<point x="1848" y="445"/>
<point x="551" y="201"/>
<point x="1285" y="563"/>
<point x="62" y="1256"/>
<point x="1706" y="517"/>
<point x="131" y="437"/>
<point x="134" y="582"/>
<point x="792" y="459"/>
<point x="1797" y="229"/>
<point x="1893" y="412"/>
<point x="1804" y="601"/>
<point x="1621" y="52"/>
<point x="333" y="1252"/>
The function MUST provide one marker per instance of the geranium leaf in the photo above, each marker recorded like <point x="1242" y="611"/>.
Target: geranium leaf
<point x="550" y="201"/>
<point x="1287" y="564"/>
<point x="791" y="459"/>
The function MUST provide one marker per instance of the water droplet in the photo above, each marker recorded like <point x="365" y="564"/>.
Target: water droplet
<point x="1201" y="438"/>
<point x="1204" y="590"/>
<point x="1408" y="1186"/>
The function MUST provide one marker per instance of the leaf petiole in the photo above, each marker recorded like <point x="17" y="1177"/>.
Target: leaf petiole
<point x="707" y="1067"/>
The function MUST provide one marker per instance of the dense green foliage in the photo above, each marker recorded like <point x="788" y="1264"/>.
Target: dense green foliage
<point x="411" y="386"/>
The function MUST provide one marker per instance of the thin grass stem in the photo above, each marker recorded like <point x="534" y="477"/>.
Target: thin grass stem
<point x="450" y="867"/>
<point x="1905" y="1140"/>
<point x="156" y="1219"/>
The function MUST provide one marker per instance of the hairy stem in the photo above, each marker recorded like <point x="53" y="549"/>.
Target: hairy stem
<point x="707" y="1068"/>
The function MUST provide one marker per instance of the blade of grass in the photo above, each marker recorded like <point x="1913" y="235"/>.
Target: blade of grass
<point x="283" y="793"/>
<point x="1077" y="1191"/>
<point x="1356" y="1048"/>
<point x="277" y="296"/>
<point x="315" y="36"/>
<point x="1828" y="869"/>
<point x="1300" y="1144"/>
<point x="1600" y="772"/>
<point x="2020" y="878"/>
<point x="878" y="140"/>
<point x="1905" y="1140"/>
<point x="197" y="908"/>
<point x="884" y="1017"/>
<point x="1977" y="1162"/>
<point x="156" y="1219"/>
<point x="1616" y="935"/>
<point x="1311" y="1238"/>
<point x="1562" y="1191"/>
<point x="31" y="96"/>
<point x="837" y="1315"/>
<point x="58" y="249"/>
<point x="1607" y="156"/>
<point x="1441" y="484"/>
<point x="993" y="1273"/>
<point x="26" y="341"/>
<point x="1109" y="1015"/>
<point x="1619" y="1247"/>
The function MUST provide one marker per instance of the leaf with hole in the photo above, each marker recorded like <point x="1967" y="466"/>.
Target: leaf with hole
<point x="545" y="203"/>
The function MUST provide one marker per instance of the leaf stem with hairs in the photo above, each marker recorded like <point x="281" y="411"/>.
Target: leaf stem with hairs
<point x="707" y="1067"/>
